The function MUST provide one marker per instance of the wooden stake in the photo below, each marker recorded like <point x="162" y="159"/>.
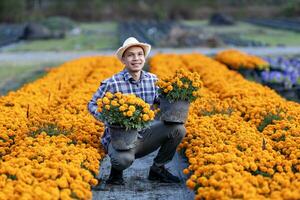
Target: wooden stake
<point x="27" y="113"/>
<point x="264" y="144"/>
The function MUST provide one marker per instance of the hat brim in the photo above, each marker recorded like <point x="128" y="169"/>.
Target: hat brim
<point x="145" y="46"/>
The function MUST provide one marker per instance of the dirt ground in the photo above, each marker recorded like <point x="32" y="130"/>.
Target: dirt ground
<point x="138" y="187"/>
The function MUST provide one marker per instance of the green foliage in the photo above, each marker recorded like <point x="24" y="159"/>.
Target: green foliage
<point x="214" y="111"/>
<point x="12" y="10"/>
<point x="281" y="138"/>
<point x="240" y="148"/>
<point x="12" y="177"/>
<point x="258" y="172"/>
<point x="58" y="23"/>
<point x="269" y="119"/>
<point x="92" y="10"/>
<point x="74" y="195"/>
<point x="50" y="129"/>
<point x="291" y="9"/>
<point x="294" y="168"/>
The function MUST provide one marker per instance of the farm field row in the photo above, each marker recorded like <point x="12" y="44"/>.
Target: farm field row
<point x="242" y="138"/>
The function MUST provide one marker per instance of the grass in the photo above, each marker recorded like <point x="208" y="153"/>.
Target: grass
<point x="275" y="37"/>
<point x="93" y="37"/>
<point x="248" y="31"/>
<point x="14" y="75"/>
<point x="103" y="36"/>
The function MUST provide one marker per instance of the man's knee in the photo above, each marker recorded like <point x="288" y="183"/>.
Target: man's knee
<point x="181" y="130"/>
<point x="121" y="159"/>
<point x="176" y="131"/>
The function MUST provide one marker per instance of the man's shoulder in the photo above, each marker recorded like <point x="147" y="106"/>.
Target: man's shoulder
<point x="150" y="75"/>
<point x="113" y="78"/>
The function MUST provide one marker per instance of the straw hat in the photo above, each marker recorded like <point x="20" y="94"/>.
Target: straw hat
<point x="129" y="42"/>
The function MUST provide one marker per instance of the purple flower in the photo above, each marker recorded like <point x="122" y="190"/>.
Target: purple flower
<point x="285" y="71"/>
<point x="276" y="77"/>
<point x="265" y="76"/>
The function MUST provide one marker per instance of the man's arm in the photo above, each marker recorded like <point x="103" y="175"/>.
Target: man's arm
<point x="92" y="104"/>
<point x="156" y="99"/>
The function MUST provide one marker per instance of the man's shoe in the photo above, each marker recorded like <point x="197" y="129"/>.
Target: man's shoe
<point x="162" y="174"/>
<point x="115" y="177"/>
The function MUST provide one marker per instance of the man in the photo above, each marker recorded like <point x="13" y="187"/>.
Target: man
<point x="166" y="136"/>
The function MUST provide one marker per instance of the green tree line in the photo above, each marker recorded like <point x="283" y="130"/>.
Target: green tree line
<point x="93" y="10"/>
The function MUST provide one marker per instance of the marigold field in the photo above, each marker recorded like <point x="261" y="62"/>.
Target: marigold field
<point x="242" y="142"/>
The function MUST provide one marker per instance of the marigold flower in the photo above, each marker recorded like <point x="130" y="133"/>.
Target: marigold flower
<point x="122" y="108"/>
<point x="114" y="103"/>
<point x="170" y="87"/>
<point x="109" y="95"/>
<point x="145" y="117"/>
<point x="131" y="108"/>
<point x="129" y="113"/>
<point x="105" y="100"/>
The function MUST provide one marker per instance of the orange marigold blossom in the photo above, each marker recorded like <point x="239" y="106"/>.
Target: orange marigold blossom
<point x="225" y="124"/>
<point x="229" y="97"/>
<point x="183" y="85"/>
<point x="129" y="119"/>
<point x="237" y="59"/>
<point x="58" y="99"/>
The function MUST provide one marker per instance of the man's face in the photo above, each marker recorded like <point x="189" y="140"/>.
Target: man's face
<point x="134" y="58"/>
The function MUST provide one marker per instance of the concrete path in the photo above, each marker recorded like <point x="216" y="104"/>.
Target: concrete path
<point x="138" y="187"/>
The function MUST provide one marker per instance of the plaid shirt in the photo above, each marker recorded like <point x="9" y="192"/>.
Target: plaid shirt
<point x="123" y="82"/>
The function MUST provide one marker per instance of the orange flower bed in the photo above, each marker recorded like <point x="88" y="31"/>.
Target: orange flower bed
<point x="49" y="142"/>
<point x="242" y="138"/>
<point x="48" y="168"/>
<point x="236" y="59"/>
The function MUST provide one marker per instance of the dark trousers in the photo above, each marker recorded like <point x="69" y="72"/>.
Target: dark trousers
<point x="160" y="135"/>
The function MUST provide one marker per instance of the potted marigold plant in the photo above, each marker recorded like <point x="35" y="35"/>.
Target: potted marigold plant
<point x="176" y="93"/>
<point x="125" y="115"/>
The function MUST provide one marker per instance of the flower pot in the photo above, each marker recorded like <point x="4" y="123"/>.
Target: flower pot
<point x="176" y="111"/>
<point x="122" y="139"/>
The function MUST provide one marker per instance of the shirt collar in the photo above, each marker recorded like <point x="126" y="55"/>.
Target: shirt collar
<point x="128" y="76"/>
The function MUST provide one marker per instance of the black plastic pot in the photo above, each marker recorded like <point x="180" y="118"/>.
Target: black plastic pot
<point x="122" y="139"/>
<point x="176" y="111"/>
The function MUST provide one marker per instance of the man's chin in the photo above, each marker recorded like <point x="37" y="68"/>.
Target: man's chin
<point x="136" y="69"/>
